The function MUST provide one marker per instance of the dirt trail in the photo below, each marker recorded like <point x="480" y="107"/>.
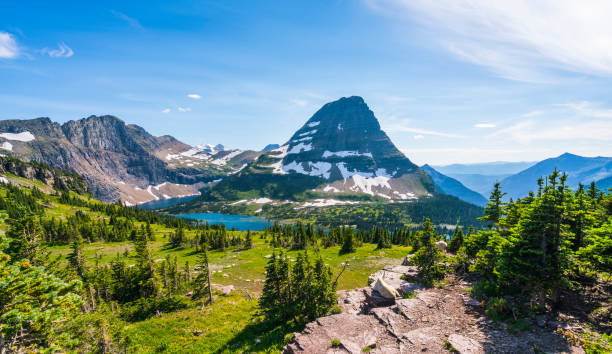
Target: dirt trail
<point x="431" y="321"/>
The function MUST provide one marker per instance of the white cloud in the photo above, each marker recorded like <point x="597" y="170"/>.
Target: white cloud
<point x="418" y="137"/>
<point x="569" y="130"/>
<point x="194" y="96"/>
<point x="63" y="51"/>
<point x="532" y="114"/>
<point x="589" y="109"/>
<point x="299" y="102"/>
<point x="484" y="125"/>
<point x="403" y="128"/>
<point x="129" y="20"/>
<point x="8" y="46"/>
<point x="184" y="109"/>
<point x="517" y="39"/>
<point x="167" y="110"/>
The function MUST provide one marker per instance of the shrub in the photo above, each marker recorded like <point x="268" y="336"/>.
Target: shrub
<point x="144" y="308"/>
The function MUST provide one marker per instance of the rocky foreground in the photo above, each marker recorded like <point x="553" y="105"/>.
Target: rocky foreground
<point x="416" y="319"/>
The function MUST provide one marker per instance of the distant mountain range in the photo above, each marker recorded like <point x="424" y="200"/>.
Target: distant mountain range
<point x="448" y="185"/>
<point x="517" y="184"/>
<point x="118" y="160"/>
<point x="579" y="169"/>
<point x="339" y="156"/>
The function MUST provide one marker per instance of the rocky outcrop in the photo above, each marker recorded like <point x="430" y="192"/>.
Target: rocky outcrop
<point x="117" y="161"/>
<point x="420" y="320"/>
<point x="57" y="179"/>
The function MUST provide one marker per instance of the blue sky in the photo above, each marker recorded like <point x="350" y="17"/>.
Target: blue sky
<point x="450" y="80"/>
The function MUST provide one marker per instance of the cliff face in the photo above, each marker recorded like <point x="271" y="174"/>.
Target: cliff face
<point x="54" y="178"/>
<point x="118" y="161"/>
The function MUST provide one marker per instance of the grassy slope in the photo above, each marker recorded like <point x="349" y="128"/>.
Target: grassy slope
<point x="232" y="323"/>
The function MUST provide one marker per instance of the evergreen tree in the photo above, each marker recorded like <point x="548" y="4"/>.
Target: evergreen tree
<point x="348" y="242"/>
<point x="248" y="242"/>
<point x="494" y="209"/>
<point x="76" y="257"/>
<point x="457" y="241"/>
<point x="201" y="283"/>
<point x="427" y="258"/>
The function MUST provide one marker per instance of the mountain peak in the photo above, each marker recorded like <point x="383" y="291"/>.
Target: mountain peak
<point x="343" y="139"/>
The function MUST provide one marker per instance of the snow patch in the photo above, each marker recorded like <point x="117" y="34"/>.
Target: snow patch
<point x="24" y="136"/>
<point x="331" y="189"/>
<point x="299" y="148"/>
<point x="4" y="180"/>
<point x="328" y="153"/>
<point x="160" y="185"/>
<point x="313" y="124"/>
<point x="363" y="184"/>
<point x="225" y="159"/>
<point x="6" y="146"/>
<point x="302" y="139"/>
<point x="310" y="132"/>
<point x="346" y="173"/>
<point x="318" y="169"/>
<point x="325" y="202"/>
<point x="151" y="192"/>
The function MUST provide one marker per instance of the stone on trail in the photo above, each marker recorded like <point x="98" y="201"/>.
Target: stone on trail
<point x="465" y="345"/>
<point x="354" y="332"/>
<point x="384" y="289"/>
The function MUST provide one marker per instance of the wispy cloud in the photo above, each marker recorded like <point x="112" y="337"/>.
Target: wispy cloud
<point x="194" y="96"/>
<point x="184" y="109"/>
<point x="167" y="110"/>
<point x="129" y="20"/>
<point x="8" y="46"/>
<point x="418" y="137"/>
<point x="517" y="39"/>
<point x="484" y="125"/>
<point x="403" y="128"/>
<point x="532" y="114"/>
<point x="299" y="102"/>
<point x="569" y="130"/>
<point x="589" y="109"/>
<point x="63" y="51"/>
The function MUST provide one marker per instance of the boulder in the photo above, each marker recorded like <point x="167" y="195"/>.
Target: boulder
<point x="353" y="301"/>
<point x="354" y="332"/>
<point x="407" y="260"/>
<point x="374" y="299"/>
<point x="384" y="289"/>
<point x="465" y="345"/>
<point x="441" y="246"/>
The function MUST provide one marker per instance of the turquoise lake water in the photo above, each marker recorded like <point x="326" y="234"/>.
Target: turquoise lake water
<point x="238" y="222"/>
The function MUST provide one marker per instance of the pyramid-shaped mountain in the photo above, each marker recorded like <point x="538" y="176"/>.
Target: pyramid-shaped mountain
<point x="340" y="150"/>
<point x="343" y="139"/>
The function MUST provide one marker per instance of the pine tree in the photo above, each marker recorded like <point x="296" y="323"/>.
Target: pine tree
<point x="270" y="295"/>
<point x="348" y="242"/>
<point x="427" y="258"/>
<point x="248" y="242"/>
<point x="457" y="241"/>
<point x="201" y="284"/>
<point x="76" y="257"/>
<point x="146" y="269"/>
<point x="494" y="209"/>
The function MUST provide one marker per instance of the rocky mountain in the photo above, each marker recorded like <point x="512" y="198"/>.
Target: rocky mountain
<point x="579" y="169"/>
<point x="270" y="147"/>
<point x="338" y="154"/>
<point x="447" y="185"/>
<point x="119" y="161"/>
